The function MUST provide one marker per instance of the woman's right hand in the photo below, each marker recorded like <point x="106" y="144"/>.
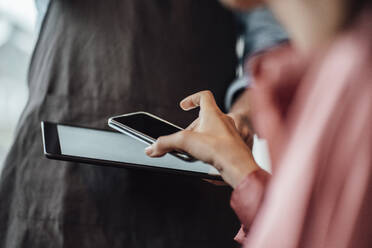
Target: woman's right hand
<point x="212" y="138"/>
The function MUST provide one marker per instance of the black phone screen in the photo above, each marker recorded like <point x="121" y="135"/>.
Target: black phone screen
<point x="148" y="125"/>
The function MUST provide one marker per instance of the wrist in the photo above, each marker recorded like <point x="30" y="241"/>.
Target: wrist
<point x="235" y="167"/>
<point x="242" y="174"/>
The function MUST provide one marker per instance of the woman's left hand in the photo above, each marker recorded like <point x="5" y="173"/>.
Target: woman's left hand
<point x="212" y="138"/>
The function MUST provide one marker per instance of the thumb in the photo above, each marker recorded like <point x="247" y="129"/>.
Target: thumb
<point x="168" y="143"/>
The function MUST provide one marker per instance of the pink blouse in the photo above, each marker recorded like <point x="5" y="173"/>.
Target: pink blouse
<point x="316" y="114"/>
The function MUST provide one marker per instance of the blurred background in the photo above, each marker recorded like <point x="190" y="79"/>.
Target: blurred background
<point x="17" y="38"/>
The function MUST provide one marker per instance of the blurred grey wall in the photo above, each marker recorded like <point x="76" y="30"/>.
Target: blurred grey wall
<point x="17" y="37"/>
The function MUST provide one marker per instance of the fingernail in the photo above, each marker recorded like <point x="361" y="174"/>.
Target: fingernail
<point x="182" y="105"/>
<point x="149" y="150"/>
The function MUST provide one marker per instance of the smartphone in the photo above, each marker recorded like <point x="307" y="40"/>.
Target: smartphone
<point x="146" y="128"/>
<point x="108" y="148"/>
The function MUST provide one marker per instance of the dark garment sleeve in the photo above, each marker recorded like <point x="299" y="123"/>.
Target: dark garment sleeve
<point x="259" y="31"/>
<point x="247" y="198"/>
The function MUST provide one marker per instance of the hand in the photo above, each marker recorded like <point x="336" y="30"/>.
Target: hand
<point x="240" y="112"/>
<point x="212" y="138"/>
<point x="244" y="128"/>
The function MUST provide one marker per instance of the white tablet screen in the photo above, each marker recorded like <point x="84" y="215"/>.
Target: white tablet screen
<point x="117" y="147"/>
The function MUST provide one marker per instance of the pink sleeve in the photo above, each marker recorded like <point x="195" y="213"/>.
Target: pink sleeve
<point x="246" y="200"/>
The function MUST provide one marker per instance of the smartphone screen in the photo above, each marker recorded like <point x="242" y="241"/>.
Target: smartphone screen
<point x="148" y="125"/>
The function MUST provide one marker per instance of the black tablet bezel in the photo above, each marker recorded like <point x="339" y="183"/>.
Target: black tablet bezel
<point x="52" y="150"/>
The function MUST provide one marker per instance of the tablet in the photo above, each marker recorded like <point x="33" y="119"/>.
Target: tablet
<point x="106" y="148"/>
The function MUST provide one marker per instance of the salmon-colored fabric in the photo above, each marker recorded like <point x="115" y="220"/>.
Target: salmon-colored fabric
<point x="316" y="114"/>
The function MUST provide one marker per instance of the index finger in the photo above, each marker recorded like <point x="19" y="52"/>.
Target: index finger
<point x="202" y="99"/>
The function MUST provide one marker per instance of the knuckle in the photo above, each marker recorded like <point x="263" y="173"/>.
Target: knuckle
<point x="182" y="136"/>
<point x="229" y="118"/>
<point x="208" y="93"/>
<point x="231" y="121"/>
<point x="159" y="143"/>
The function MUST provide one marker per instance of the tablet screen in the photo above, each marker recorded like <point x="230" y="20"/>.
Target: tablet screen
<point x="117" y="147"/>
